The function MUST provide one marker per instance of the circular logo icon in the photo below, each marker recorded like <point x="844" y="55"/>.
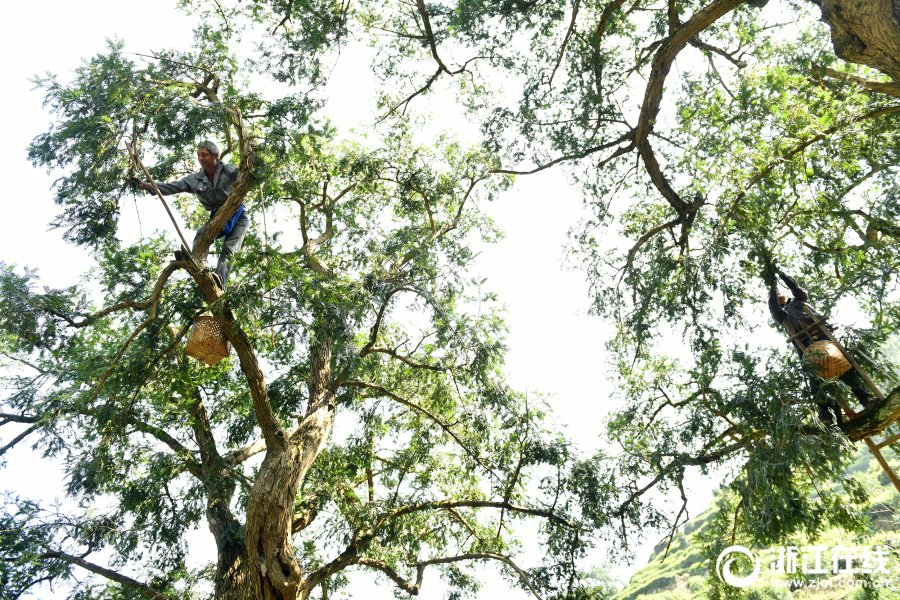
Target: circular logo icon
<point x="723" y="570"/>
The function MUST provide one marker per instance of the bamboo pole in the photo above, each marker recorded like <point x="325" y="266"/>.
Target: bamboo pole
<point x="883" y="462"/>
<point x="138" y="162"/>
<point x="889" y="441"/>
<point x="805" y="330"/>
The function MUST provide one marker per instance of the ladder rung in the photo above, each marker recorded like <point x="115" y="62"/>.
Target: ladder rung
<point x="888" y="441"/>
<point x="806" y="329"/>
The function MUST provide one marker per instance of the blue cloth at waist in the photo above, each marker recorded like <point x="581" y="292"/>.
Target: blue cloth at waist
<point x="231" y="222"/>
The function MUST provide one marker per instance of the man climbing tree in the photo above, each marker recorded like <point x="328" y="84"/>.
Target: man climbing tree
<point x="791" y="311"/>
<point x="697" y="130"/>
<point x="212" y="184"/>
<point x="365" y="320"/>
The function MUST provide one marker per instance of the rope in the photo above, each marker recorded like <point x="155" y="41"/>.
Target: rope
<point x="266" y="246"/>
<point x="877" y="366"/>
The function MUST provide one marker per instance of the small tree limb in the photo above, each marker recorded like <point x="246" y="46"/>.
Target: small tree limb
<point x="19" y="438"/>
<point x="144" y="589"/>
<point x="440" y="423"/>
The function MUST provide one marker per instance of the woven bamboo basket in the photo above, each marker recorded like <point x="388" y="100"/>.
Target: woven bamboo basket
<point x="828" y="361"/>
<point x="206" y="342"/>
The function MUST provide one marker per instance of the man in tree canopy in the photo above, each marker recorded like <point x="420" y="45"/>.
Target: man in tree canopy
<point x="212" y="184"/>
<point x="791" y="311"/>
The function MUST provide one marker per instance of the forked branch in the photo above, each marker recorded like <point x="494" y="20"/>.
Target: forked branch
<point x="413" y="590"/>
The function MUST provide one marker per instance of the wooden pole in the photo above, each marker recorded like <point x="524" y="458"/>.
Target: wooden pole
<point x="266" y="246"/>
<point x="889" y="441"/>
<point x="849" y="358"/>
<point x="138" y="162"/>
<point x="884" y="463"/>
<point x="794" y="337"/>
<point x="805" y="330"/>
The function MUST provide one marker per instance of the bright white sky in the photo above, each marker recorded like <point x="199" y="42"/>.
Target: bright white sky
<point x="555" y="348"/>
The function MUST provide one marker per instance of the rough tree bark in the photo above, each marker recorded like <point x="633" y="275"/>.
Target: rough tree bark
<point x="274" y="569"/>
<point x="866" y="33"/>
<point x="232" y="575"/>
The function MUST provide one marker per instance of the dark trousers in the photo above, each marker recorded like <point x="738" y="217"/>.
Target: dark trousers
<point x="233" y="242"/>
<point x="825" y="398"/>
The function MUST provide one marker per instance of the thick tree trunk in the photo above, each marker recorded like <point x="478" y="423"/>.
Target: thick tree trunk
<point x="275" y="572"/>
<point x="232" y="572"/>
<point x="233" y="580"/>
<point x="866" y="32"/>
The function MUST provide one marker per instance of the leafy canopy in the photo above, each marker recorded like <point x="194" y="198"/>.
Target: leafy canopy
<point x="715" y="141"/>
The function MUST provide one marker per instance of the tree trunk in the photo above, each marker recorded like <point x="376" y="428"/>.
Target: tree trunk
<point x="866" y="32"/>
<point x="233" y="580"/>
<point x="232" y="573"/>
<point x="275" y="572"/>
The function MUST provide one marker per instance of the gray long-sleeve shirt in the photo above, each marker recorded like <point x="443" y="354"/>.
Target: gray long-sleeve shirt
<point x="212" y="194"/>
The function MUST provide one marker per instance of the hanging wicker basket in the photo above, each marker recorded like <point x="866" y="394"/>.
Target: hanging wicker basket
<point x="828" y="361"/>
<point x="206" y="342"/>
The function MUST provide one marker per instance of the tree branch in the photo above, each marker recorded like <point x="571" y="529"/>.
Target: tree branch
<point x="128" y="582"/>
<point x="7" y="418"/>
<point x="408" y="360"/>
<point x="796" y="150"/>
<point x="596" y="62"/>
<point x="414" y="590"/>
<point x="426" y="23"/>
<point x="879" y="87"/>
<point x="685" y="460"/>
<point x="623" y="138"/>
<point x="442" y="504"/>
<point x="302" y="521"/>
<point x="653" y="94"/>
<point x="150" y="318"/>
<point x="874" y="419"/>
<point x="448" y="226"/>
<point x="346" y="558"/>
<point x="154" y="297"/>
<point x="576" y="4"/>
<point x="238" y="456"/>
<point x="385" y="392"/>
<point x="160" y="434"/>
<point x="373" y="333"/>
<point x="272" y="431"/>
<point x="403" y="584"/>
<point x="644" y="238"/>
<point x="19" y="438"/>
<point x="696" y="43"/>
<point x="287" y="16"/>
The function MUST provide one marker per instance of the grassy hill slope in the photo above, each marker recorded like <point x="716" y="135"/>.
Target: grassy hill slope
<point x="683" y="575"/>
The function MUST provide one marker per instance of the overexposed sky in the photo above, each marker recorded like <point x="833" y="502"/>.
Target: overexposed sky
<point x="555" y="348"/>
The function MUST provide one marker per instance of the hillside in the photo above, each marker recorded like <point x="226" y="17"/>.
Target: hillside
<point x="683" y="574"/>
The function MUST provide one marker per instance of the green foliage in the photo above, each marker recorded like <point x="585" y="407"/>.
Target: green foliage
<point x="687" y="572"/>
<point x="756" y="160"/>
<point x="388" y="231"/>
